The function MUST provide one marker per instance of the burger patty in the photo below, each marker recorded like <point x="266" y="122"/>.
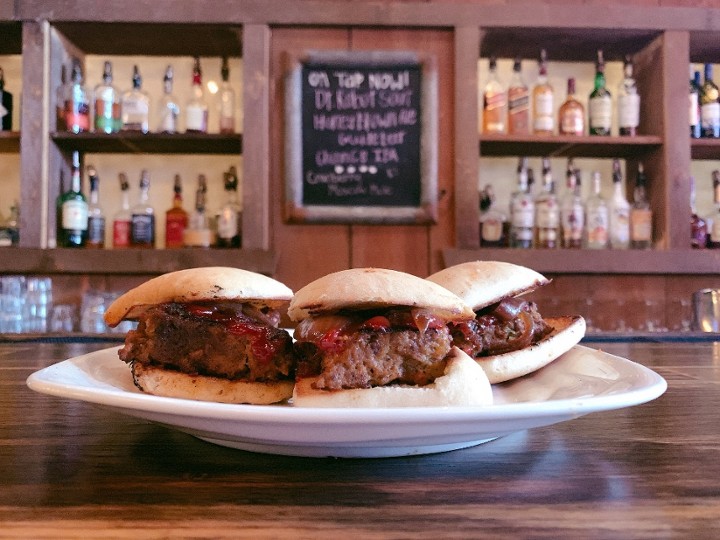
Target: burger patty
<point x="373" y="358"/>
<point x="170" y="337"/>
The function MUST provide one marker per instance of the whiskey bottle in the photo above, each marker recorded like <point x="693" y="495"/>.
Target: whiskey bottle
<point x="6" y="105"/>
<point x="122" y="220"/>
<point x="547" y="212"/>
<point x="522" y="210"/>
<point x="640" y="213"/>
<point x="518" y="103"/>
<point x="142" y="221"/>
<point x="196" y="111"/>
<point x="628" y="101"/>
<point x="229" y="223"/>
<point x="77" y="101"/>
<point x="96" y="217"/>
<point x="598" y="218"/>
<point x="494" y="224"/>
<point x="135" y="106"/>
<point x="494" y="103"/>
<point x="543" y="101"/>
<point x="709" y="106"/>
<point x="695" y="124"/>
<point x="571" y="115"/>
<point x="74" y="227"/>
<point x="176" y="218"/>
<point x="168" y="108"/>
<point x="599" y="102"/>
<point x="619" y="212"/>
<point x="572" y="211"/>
<point x="198" y="232"/>
<point x="226" y="100"/>
<point x="107" y="103"/>
<point x="698" y="226"/>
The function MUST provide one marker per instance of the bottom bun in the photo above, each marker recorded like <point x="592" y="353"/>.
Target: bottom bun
<point x="463" y="384"/>
<point x="567" y="332"/>
<point x="163" y="382"/>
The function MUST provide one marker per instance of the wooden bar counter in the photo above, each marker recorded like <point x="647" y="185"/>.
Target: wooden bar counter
<point x="69" y="469"/>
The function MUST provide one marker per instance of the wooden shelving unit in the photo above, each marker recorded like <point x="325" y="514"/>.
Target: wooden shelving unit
<point x="145" y="143"/>
<point x="493" y="145"/>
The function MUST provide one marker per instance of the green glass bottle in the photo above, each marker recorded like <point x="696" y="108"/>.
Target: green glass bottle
<point x="74" y="226"/>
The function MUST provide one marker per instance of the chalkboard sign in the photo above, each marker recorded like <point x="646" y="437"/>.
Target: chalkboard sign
<point x="362" y="138"/>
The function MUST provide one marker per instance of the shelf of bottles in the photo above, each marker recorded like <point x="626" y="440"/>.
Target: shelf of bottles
<point x="159" y="143"/>
<point x="501" y="144"/>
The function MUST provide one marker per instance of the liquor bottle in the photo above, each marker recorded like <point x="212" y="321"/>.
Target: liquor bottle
<point x="6" y="105"/>
<point x="168" y="108"/>
<point x="599" y="102"/>
<point x="74" y="230"/>
<point x="547" y="212"/>
<point x="122" y="221"/>
<point x="640" y="213"/>
<point x="494" y="224"/>
<point x="598" y="217"/>
<point x="713" y="240"/>
<point x="229" y="223"/>
<point x="58" y="209"/>
<point x="60" y="93"/>
<point x="226" y="100"/>
<point x="176" y="218"/>
<point x="522" y="211"/>
<point x="518" y="103"/>
<point x="543" y="101"/>
<point x="96" y="216"/>
<point x="494" y="103"/>
<point x="198" y="232"/>
<point x="709" y="106"/>
<point x="571" y="115"/>
<point x="136" y="106"/>
<point x="142" y="220"/>
<point x="572" y="211"/>
<point x="628" y="101"/>
<point x="77" y="101"/>
<point x="695" y="124"/>
<point x="619" y="212"/>
<point x="196" y="111"/>
<point x="698" y="226"/>
<point x="107" y="103"/>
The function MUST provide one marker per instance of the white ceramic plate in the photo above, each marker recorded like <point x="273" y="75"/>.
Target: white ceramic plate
<point x="582" y="381"/>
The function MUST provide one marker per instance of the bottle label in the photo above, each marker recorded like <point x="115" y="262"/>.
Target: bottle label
<point x="227" y="224"/>
<point x="142" y="229"/>
<point x="641" y="225"/>
<point x="710" y="114"/>
<point x="168" y="123"/>
<point x="197" y="119"/>
<point x="77" y="116"/>
<point x="492" y="230"/>
<point x="694" y="110"/>
<point x="96" y="230"/>
<point x="174" y="229"/>
<point x="544" y="119"/>
<point x="629" y="111"/>
<point x="600" y="113"/>
<point x="548" y="216"/>
<point x="121" y="234"/>
<point x="523" y="214"/>
<point x="597" y="229"/>
<point x="572" y="123"/>
<point x="620" y="227"/>
<point x="75" y="215"/>
<point x="518" y="110"/>
<point x="572" y="224"/>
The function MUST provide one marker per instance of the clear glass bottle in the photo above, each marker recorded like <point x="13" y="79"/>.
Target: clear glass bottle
<point x="695" y="123"/>
<point x="522" y="210"/>
<point x="74" y="228"/>
<point x="77" y="101"/>
<point x="494" y="224"/>
<point x="543" y="100"/>
<point x="600" y="101"/>
<point x="640" y="213"/>
<point x="494" y="102"/>
<point x="107" y="103"/>
<point x="628" y="101"/>
<point x="198" y="232"/>
<point x="547" y="212"/>
<point x="226" y="98"/>
<point x="142" y="225"/>
<point x="229" y="223"/>
<point x="6" y="105"/>
<point x="572" y="210"/>
<point x="136" y="106"/>
<point x="96" y="216"/>
<point x="619" y="211"/>
<point x="176" y="218"/>
<point x="698" y="226"/>
<point x="122" y="220"/>
<point x="168" y="108"/>
<point x="196" y="111"/>
<point x="518" y="102"/>
<point x="597" y="215"/>
<point x="571" y="115"/>
<point x="709" y="106"/>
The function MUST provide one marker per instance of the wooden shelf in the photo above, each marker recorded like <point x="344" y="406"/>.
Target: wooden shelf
<point x="566" y="145"/>
<point x="129" y="261"/>
<point x="705" y="148"/>
<point x="9" y="142"/>
<point x="586" y="261"/>
<point x="144" y="143"/>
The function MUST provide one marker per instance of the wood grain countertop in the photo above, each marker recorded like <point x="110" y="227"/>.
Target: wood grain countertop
<point x="69" y="469"/>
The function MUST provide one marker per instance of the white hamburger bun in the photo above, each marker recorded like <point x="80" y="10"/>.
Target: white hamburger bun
<point x="567" y="332"/>
<point x="163" y="382"/>
<point x="481" y="283"/>
<point x="464" y="383"/>
<point x="197" y="284"/>
<point x="367" y="288"/>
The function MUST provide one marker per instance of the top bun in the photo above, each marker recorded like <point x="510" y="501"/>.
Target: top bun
<point x="481" y="283"/>
<point x="367" y="288"/>
<point x="198" y="284"/>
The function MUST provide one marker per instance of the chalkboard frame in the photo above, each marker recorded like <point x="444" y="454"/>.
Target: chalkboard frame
<point x="427" y="210"/>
